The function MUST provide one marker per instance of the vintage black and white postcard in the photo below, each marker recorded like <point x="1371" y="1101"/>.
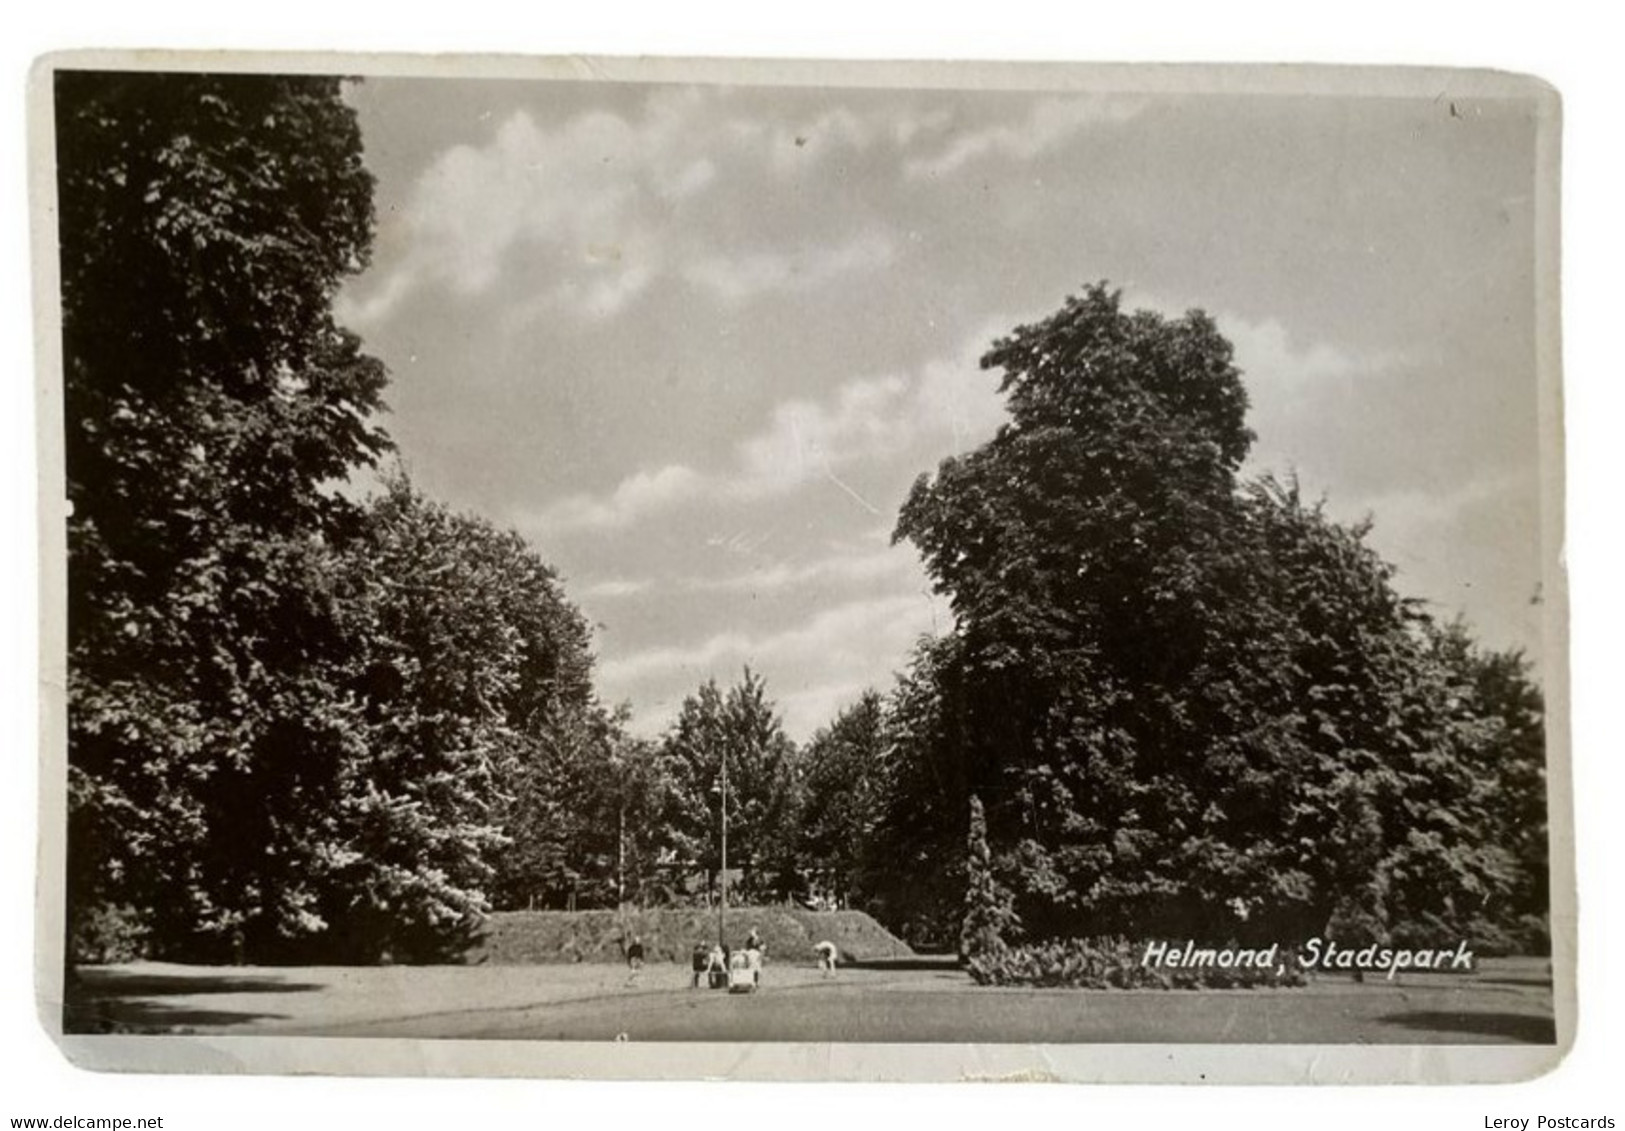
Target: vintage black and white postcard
<point x="801" y="570"/>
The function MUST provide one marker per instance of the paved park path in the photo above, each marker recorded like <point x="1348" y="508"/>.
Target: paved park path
<point x="1504" y="1003"/>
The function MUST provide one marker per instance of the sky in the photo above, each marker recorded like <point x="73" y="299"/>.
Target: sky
<point x="695" y="342"/>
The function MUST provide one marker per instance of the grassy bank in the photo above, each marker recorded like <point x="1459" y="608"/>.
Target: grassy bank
<point x="669" y="934"/>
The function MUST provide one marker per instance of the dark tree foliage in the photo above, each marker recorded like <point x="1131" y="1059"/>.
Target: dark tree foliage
<point x="1496" y="696"/>
<point x="586" y="818"/>
<point x="205" y="224"/>
<point x="1193" y="706"/>
<point x="742" y="725"/>
<point x="843" y="771"/>
<point x="1397" y="786"/>
<point x="989" y="919"/>
<point x="300" y="727"/>
<point x="634" y="804"/>
<point x="1087" y="553"/>
<point x="914" y="876"/>
<point x="480" y="729"/>
<point x="1514" y="760"/>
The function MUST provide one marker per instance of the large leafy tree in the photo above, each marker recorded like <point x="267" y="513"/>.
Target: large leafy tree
<point x="1087" y="553"/>
<point x="914" y="869"/>
<point x="210" y="402"/>
<point x="632" y="804"/>
<point x="1498" y="707"/>
<point x="842" y="781"/>
<point x="741" y="725"/>
<point x="1351" y="796"/>
<point x="586" y="817"/>
<point x="1192" y="705"/>
<point x="480" y="728"/>
<point x="1504" y="693"/>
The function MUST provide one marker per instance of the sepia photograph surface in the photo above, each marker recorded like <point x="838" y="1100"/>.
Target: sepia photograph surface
<point x="801" y="570"/>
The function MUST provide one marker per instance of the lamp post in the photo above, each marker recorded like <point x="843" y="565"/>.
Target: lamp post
<point x="722" y="902"/>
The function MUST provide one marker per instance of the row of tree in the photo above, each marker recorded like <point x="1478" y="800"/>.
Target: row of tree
<point x="306" y="724"/>
<point x="302" y="723"/>
<point x="1194" y="705"/>
<point x="298" y="723"/>
<point x="1175" y="701"/>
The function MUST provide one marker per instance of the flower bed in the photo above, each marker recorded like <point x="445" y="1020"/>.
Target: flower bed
<point x="1116" y="963"/>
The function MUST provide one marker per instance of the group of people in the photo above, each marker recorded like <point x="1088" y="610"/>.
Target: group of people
<point x="710" y="964"/>
<point x="716" y="965"/>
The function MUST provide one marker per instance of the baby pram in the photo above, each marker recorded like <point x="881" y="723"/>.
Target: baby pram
<point x="745" y="972"/>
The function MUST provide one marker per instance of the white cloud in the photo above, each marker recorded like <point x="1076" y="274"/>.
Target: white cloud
<point x="844" y="637"/>
<point x="1413" y="517"/>
<point x="569" y="186"/>
<point x="1293" y="386"/>
<point x="579" y="195"/>
<point x="384" y="297"/>
<point x="836" y="131"/>
<point x="737" y="278"/>
<point x="814" y="140"/>
<point x="613" y="588"/>
<point x="638" y="495"/>
<point x="907" y="128"/>
<point x="814" y="667"/>
<point x="1050" y="122"/>
<point x="604" y="201"/>
<point x="844" y="566"/>
<point x="847" y="565"/>
<point x="695" y="177"/>
<point x="1273" y="359"/>
<point x="804" y="438"/>
<point x="805" y="711"/>
<point x="1267" y="354"/>
<point x="599" y="199"/>
<point x="604" y="295"/>
<point x="944" y="407"/>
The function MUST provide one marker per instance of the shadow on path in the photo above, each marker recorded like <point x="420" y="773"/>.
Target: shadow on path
<point x="1534" y="980"/>
<point x="139" y="983"/>
<point x="942" y="962"/>
<point x="122" y="1001"/>
<point x="1520" y="1027"/>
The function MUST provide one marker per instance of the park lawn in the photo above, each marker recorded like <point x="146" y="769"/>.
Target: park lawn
<point x="1506" y="1001"/>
